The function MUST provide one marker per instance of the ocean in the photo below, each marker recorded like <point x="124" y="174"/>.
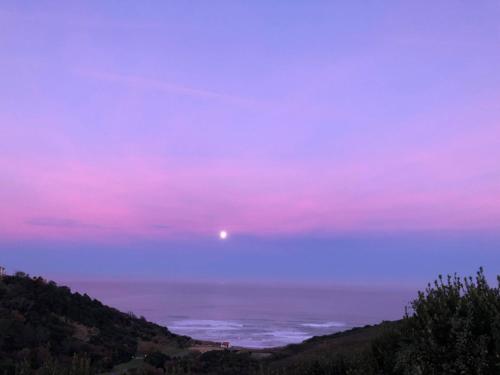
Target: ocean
<point x="251" y="315"/>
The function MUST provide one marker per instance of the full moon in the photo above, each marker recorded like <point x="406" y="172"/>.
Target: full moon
<point x="222" y="234"/>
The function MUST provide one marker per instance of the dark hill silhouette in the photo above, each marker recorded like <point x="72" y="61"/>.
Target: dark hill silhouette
<point x="40" y="321"/>
<point x="453" y="327"/>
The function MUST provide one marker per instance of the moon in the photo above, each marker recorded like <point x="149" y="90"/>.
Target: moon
<point x="222" y="234"/>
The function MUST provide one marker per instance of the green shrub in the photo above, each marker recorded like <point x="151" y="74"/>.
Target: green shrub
<point x="453" y="328"/>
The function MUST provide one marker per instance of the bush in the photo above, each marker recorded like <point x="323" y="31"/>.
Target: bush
<point x="454" y="328"/>
<point x="157" y="359"/>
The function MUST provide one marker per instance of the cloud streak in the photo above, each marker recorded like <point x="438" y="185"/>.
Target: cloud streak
<point x="54" y="222"/>
<point x="143" y="83"/>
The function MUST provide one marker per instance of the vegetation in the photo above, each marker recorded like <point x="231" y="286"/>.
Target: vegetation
<point x="43" y="325"/>
<point x="453" y="327"/>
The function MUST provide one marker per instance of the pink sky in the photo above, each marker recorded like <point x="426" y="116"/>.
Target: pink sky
<point x="125" y="123"/>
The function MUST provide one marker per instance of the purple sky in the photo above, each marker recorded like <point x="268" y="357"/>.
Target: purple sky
<point x="334" y="141"/>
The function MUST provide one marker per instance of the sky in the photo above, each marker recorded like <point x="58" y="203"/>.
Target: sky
<point x="335" y="141"/>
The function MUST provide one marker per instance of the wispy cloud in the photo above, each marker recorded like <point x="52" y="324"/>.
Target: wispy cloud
<point x="70" y="20"/>
<point x="164" y="86"/>
<point x="57" y="222"/>
<point x="161" y="226"/>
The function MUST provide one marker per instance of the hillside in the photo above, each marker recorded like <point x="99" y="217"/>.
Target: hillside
<point x="453" y="327"/>
<point x="342" y="344"/>
<point x="43" y="326"/>
<point x="41" y="322"/>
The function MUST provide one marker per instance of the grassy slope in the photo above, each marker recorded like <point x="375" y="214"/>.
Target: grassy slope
<point x="347" y="342"/>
